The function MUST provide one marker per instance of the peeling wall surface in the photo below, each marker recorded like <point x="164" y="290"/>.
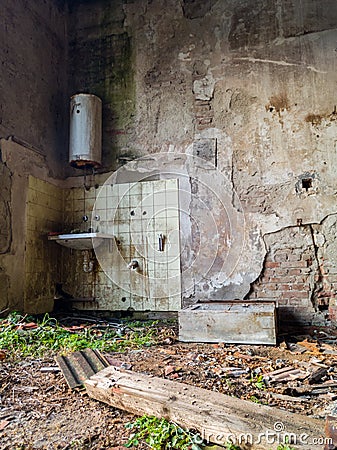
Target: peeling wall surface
<point x="33" y="81"/>
<point x="102" y="63"/>
<point x="44" y="213"/>
<point x="249" y="86"/>
<point x="5" y="230"/>
<point x="240" y="98"/>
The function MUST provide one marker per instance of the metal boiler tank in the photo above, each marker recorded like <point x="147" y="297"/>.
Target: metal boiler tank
<point x="85" y="140"/>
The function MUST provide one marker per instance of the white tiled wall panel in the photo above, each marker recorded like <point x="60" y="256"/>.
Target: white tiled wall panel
<point x="136" y="214"/>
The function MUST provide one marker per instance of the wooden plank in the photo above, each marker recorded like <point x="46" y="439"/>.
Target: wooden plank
<point x="216" y="416"/>
<point x="240" y="323"/>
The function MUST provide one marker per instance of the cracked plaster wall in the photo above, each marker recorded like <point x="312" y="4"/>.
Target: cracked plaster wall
<point x="258" y="78"/>
<point x="33" y="122"/>
<point x="248" y="85"/>
<point x="5" y="230"/>
<point x="33" y="80"/>
<point x="23" y="236"/>
<point x="256" y="81"/>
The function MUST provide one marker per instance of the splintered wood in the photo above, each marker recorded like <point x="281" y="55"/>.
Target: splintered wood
<point x="218" y="417"/>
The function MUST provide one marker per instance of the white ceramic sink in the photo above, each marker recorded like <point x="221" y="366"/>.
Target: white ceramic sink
<point x="80" y="241"/>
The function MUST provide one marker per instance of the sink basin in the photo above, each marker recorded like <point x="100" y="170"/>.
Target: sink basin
<point x="80" y="241"/>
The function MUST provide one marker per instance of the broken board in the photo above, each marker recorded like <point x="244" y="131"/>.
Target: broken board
<point x="218" y="417"/>
<point x="234" y="322"/>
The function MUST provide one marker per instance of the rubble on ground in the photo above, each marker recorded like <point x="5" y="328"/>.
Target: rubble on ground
<point x="37" y="408"/>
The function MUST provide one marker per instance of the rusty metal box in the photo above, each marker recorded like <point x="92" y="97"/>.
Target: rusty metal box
<point x="229" y="322"/>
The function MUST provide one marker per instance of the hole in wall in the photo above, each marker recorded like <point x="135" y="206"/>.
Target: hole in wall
<point x="132" y="213"/>
<point x="78" y="111"/>
<point x="144" y="213"/>
<point x="123" y="299"/>
<point x="306" y="183"/>
<point x="323" y="307"/>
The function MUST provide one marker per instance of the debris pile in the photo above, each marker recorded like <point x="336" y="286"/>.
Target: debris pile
<point x="299" y="375"/>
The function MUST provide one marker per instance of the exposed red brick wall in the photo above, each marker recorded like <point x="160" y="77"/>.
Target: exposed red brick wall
<point x="300" y="271"/>
<point x="291" y="274"/>
<point x="286" y="278"/>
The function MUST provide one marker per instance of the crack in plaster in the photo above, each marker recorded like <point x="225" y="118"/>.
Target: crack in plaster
<point x="279" y="63"/>
<point x="318" y="282"/>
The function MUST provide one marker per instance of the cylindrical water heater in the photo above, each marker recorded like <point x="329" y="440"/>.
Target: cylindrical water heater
<point x="85" y="140"/>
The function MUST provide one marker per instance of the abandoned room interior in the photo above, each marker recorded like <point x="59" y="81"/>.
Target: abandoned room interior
<point x="171" y="159"/>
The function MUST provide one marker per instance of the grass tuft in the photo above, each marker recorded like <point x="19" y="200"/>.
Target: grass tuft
<point x="49" y="337"/>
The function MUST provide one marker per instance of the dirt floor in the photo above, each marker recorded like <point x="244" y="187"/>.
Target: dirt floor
<point x="39" y="411"/>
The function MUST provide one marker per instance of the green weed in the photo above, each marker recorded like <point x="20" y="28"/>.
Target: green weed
<point x="230" y="446"/>
<point x="254" y="399"/>
<point x="284" y="447"/>
<point x="50" y="336"/>
<point x="258" y="382"/>
<point x="160" y="434"/>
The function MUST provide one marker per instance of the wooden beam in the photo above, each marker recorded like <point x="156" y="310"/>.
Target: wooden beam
<point x="218" y="417"/>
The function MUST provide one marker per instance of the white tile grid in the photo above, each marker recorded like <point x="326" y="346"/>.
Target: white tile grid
<point x="111" y="191"/>
<point x="147" y="188"/>
<point x="101" y="213"/>
<point x="175" y="302"/>
<point x="137" y="302"/>
<point x="160" y="266"/>
<point x="140" y="246"/>
<point x="91" y="193"/>
<point x="158" y="271"/>
<point x="137" y="285"/>
<point x="99" y="204"/>
<point x="112" y="205"/>
<point x="155" y="225"/>
<point x="162" y="304"/>
<point x="102" y="191"/>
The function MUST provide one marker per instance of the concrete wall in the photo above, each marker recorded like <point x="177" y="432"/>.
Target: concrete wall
<point x="101" y="52"/>
<point x="44" y="214"/>
<point x="33" y="123"/>
<point x="24" y="224"/>
<point x="249" y="86"/>
<point x="33" y="80"/>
